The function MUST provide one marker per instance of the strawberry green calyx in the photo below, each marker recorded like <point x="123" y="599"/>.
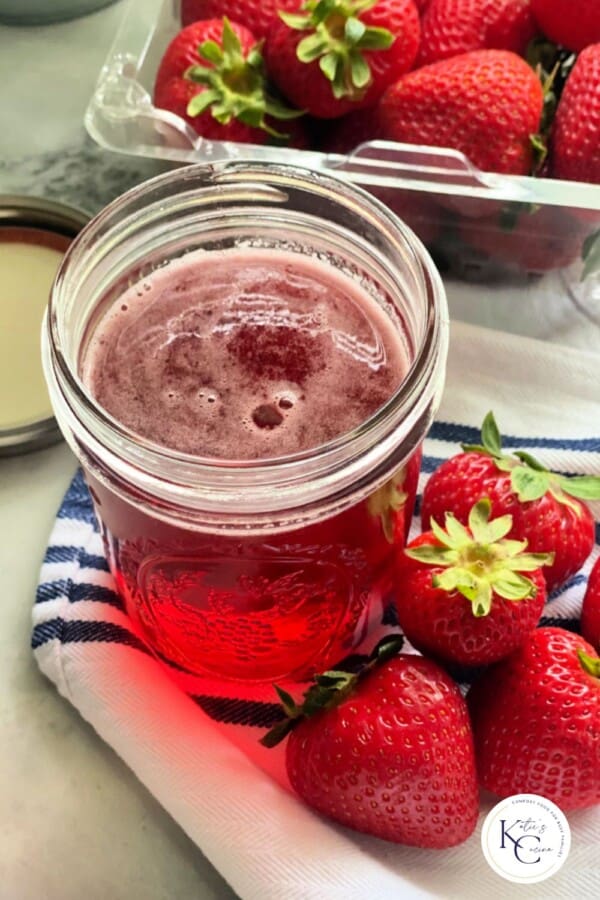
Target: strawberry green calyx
<point x="338" y="39"/>
<point x="236" y="85"/>
<point x="552" y="64"/>
<point x="590" y="664"/>
<point x="529" y="479"/>
<point x="328" y="690"/>
<point x="590" y="254"/>
<point x="480" y="561"/>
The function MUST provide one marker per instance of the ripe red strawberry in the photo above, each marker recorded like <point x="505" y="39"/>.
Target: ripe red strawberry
<point x="486" y="103"/>
<point x="211" y="75"/>
<point x="460" y="596"/>
<point x="536" y="720"/>
<point x="544" y="506"/>
<point x="333" y="56"/>
<point x="575" y="140"/>
<point x="256" y="15"/>
<point x="450" y="27"/>
<point x="390" y="754"/>
<point x="590" y="612"/>
<point x="573" y="26"/>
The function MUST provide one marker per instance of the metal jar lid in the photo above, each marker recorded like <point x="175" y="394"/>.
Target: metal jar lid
<point x="51" y="218"/>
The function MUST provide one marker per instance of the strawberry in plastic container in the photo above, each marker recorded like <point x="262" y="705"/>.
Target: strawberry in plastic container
<point x="212" y="75"/>
<point x="332" y="56"/>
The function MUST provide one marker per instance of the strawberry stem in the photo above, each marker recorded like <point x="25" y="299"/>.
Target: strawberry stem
<point x="328" y="690"/>
<point x="235" y="85"/>
<point x="337" y="38"/>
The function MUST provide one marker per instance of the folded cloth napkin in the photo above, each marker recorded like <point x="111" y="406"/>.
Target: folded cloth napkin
<point x="194" y="743"/>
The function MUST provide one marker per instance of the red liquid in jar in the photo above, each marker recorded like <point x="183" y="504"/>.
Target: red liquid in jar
<point x="249" y="354"/>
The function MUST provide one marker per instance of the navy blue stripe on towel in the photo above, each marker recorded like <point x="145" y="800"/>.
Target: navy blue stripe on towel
<point x="60" y="554"/>
<point x="240" y="712"/>
<point x="79" y="631"/>
<point x="77" y="591"/>
<point x="465" y="434"/>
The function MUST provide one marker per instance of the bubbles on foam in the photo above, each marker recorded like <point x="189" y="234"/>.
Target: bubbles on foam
<point x="182" y="384"/>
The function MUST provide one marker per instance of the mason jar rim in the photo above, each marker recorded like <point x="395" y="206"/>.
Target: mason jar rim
<point x="207" y="483"/>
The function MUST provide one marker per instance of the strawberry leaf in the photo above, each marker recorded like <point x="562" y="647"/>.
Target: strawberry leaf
<point x="513" y="586"/>
<point x="211" y="52"/>
<point x="455" y="530"/>
<point x="277" y="733"/>
<point x="539" y="145"/>
<point x="376" y="39"/>
<point x="354" y="29"/>
<point x="311" y="48"/>
<point x="484" y="531"/>
<point x="490" y="435"/>
<point x="480" y="596"/>
<point x="432" y="555"/>
<point x="584" y="487"/>
<point x="529" y="562"/>
<point x="455" y="579"/>
<point x="590" y="664"/>
<point x="491" y="441"/>
<point x="388" y="647"/>
<point x="295" y="21"/>
<point x="287" y="701"/>
<point x="328" y="66"/>
<point x="455" y="536"/>
<point x="591" y="255"/>
<point x="361" y="73"/>
<point x="201" y="102"/>
<point x="529" y="484"/>
<point x="530" y="460"/>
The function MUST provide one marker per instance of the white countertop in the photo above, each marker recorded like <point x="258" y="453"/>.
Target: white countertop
<point x="76" y="823"/>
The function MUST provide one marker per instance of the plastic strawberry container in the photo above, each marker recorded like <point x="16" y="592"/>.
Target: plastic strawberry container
<point x="482" y="228"/>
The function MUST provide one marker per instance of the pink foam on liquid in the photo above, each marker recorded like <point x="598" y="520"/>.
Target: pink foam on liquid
<point x="244" y="354"/>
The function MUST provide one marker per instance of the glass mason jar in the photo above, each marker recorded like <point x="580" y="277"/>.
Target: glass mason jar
<point x="250" y="569"/>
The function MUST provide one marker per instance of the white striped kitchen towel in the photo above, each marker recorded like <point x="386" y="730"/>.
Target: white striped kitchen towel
<point x="194" y="744"/>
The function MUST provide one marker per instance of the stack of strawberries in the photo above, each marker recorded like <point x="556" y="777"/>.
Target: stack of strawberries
<point x="389" y="745"/>
<point x="513" y="84"/>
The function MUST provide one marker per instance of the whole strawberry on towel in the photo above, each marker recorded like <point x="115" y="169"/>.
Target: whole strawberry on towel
<point x="590" y="612"/>
<point x="548" y="510"/>
<point x="387" y="751"/>
<point x="469" y="595"/>
<point x="329" y="57"/>
<point x="536" y="720"/>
